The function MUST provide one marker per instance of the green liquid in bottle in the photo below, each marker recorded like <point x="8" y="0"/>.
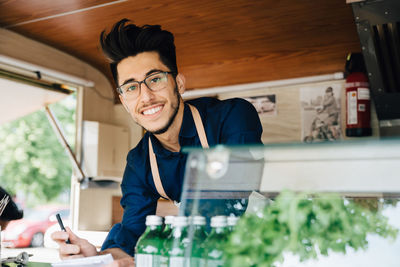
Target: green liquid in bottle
<point x="173" y="253"/>
<point x="168" y="226"/>
<point x="149" y="245"/>
<point x="214" y="245"/>
<point x="199" y="237"/>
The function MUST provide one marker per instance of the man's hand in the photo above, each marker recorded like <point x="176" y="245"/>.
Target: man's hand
<point x="78" y="248"/>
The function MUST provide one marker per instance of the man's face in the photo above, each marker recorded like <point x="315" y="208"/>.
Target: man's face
<point x="154" y="111"/>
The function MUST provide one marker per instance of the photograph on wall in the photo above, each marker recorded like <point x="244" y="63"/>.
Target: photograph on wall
<point x="321" y="113"/>
<point x="264" y="104"/>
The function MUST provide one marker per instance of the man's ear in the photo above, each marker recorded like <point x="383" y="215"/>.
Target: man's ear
<point x="124" y="104"/>
<point x="180" y="82"/>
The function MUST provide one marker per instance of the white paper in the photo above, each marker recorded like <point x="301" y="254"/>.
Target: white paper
<point x="101" y="260"/>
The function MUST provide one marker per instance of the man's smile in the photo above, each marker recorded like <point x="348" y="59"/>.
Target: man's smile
<point x="154" y="109"/>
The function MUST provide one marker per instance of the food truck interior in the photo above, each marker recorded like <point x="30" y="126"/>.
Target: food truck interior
<point x="236" y="48"/>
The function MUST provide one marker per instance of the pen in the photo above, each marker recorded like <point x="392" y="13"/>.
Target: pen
<point x="62" y="226"/>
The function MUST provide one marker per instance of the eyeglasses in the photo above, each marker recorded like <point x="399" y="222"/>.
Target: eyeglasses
<point x="155" y="82"/>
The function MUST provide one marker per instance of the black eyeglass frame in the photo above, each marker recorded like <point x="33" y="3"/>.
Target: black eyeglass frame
<point x="119" y="90"/>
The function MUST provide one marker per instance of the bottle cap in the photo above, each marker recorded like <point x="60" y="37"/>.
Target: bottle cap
<point x="153" y="220"/>
<point x="180" y="221"/>
<point x="199" y="220"/>
<point x="232" y="220"/>
<point x="169" y="219"/>
<point x="218" y="221"/>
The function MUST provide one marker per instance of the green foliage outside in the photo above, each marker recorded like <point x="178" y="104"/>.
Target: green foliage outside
<point x="306" y="227"/>
<point x="32" y="160"/>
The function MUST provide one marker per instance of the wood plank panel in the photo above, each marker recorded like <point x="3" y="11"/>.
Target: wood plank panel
<point x="274" y="66"/>
<point x="17" y="11"/>
<point x="222" y="42"/>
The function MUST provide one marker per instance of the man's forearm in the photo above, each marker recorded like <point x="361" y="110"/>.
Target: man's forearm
<point x="117" y="253"/>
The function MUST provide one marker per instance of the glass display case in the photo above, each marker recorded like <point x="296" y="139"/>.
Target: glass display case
<point x="325" y="204"/>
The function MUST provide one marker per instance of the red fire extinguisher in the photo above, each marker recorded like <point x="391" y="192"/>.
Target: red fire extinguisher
<point x="358" y="99"/>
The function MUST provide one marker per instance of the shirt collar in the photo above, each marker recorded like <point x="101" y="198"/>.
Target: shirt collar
<point x="158" y="149"/>
<point x="188" y="130"/>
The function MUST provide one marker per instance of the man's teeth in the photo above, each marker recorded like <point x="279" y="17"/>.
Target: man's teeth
<point x="151" y="111"/>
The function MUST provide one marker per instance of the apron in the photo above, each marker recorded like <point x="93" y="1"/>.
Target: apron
<point x="166" y="206"/>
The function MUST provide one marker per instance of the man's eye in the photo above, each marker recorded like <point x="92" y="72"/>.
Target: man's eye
<point x="155" y="80"/>
<point x="131" y="87"/>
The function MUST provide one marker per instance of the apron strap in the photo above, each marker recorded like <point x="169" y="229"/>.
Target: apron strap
<point x="155" y="172"/>
<point x="199" y="126"/>
<point x="153" y="161"/>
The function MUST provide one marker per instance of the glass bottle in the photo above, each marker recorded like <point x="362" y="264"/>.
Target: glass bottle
<point x="214" y="245"/>
<point x="198" y="238"/>
<point x="168" y="226"/>
<point x="173" y="253"/>
<point x="232" y="221"/>
<point x="149" y="245"/>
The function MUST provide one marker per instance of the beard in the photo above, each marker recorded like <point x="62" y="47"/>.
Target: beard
<point x="172" y="118"/>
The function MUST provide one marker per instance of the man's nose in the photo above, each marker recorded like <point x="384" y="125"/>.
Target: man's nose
<point x="146" y="93"/>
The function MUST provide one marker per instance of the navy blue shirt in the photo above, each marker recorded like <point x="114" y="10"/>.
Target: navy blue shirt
<point x="231" y="121"/>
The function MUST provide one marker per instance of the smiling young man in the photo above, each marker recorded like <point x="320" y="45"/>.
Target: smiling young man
<point x="158" y="111"/>
<point x="143" y="64"/>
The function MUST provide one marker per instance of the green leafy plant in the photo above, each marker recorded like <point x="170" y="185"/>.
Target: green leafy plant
<point x="305" y="225"/>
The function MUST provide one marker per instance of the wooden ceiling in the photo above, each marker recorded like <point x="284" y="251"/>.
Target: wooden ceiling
<point x="219" y="42"/>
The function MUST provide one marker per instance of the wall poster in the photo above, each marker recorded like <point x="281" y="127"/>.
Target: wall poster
<point x="320" y="107"/>
<point x="264" y="104"/>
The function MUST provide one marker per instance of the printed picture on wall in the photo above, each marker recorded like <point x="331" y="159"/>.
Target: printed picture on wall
<point x="321" y="113"/>
<point x="265" y="104"/>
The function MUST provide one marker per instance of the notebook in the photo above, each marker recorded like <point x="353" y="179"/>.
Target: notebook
<point x="100" y="260"/>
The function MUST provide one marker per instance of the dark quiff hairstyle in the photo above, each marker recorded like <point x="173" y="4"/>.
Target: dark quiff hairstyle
<point x="125" y="40"/>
